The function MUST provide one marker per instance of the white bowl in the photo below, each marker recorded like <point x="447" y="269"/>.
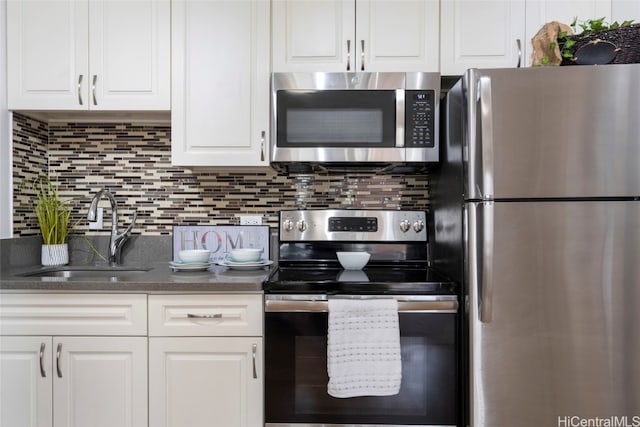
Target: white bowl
<point x="194" y="255"/>
<point x="245" y="255"/>
<point x="353" y="260"/>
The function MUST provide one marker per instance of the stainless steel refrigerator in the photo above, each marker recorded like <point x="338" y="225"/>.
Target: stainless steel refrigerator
<point x="536" y="210"/>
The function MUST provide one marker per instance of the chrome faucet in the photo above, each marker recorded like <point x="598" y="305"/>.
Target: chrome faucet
<point x="117" y="240"/>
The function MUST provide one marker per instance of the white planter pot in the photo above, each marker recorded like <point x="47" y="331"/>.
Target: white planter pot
<point x="55" y="254"/>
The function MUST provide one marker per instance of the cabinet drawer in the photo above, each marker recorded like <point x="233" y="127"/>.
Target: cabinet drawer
<point x="73" y="314"/>
<point x="205" y="315"/>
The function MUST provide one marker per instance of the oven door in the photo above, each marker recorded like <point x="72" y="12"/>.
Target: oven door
<point x="296" y="366"/>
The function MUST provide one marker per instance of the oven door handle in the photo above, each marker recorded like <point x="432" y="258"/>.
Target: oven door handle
<point x="283" y="304"/>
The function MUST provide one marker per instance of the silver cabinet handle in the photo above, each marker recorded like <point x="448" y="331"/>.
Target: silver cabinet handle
<point x="93" y="88"/>
<point x="262" y="137"/>
<point x="43" y="373"/>
<point x="80" y="89"/>
<point x="254" y="350"/>
<point x="519" y="44"/>
<point x="362" y="57"/>
<point x="348" y="55"/>
<point x="204" y="316"/>
<point x="58" y="368"/>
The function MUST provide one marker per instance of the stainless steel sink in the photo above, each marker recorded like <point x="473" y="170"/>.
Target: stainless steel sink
<point x="90" y="272"/>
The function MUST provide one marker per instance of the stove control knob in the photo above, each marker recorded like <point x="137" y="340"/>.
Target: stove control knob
<point x="302" y="226"/>
<point x="287" y="225"/>
<point x="405" y="225"/>
<point x="418" y="226"/>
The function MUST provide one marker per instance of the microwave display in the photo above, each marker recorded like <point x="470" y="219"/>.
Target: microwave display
<point x="419" y="118"/>
<point x="337" y="118"/>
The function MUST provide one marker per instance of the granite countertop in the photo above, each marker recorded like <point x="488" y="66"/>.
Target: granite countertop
<point x="159" y="279"/>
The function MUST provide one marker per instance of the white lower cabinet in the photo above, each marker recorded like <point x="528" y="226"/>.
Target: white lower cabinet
<point x="91" y="360"/>
<point x="205" y="361"/>
<point x="26" y="393"/>
<point x="94" y="378"/>
<point x="212" y="382"/>
<point x="100" y="381"/>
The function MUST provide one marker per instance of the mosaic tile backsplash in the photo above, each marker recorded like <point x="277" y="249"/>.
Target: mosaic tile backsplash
<point x="133" y="161"/>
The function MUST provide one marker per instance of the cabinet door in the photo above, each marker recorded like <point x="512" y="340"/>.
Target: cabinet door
<point x="130" y="55"/>
<point x="398" y="35"/>
<point x="542" y="11"/>
<point x="100" y="381"/>
<point x="315" y="35"/>
<point x="481" y="34"/>
<point x="623" y="10"/>
<point x="205" y="382"/>
<point x="25" y="381"/>
<point x="220" y="91"/>
<point x="47" y="54"/>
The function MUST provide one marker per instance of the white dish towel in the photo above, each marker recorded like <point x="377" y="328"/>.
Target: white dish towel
<point x="363" y="348"/>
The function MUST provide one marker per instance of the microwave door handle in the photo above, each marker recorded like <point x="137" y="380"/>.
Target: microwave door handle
<point x="348" y="55"/>
<point x="400" y="106"/>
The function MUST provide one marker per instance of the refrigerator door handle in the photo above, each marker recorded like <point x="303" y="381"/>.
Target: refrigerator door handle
<point x="481" y="258"/>
<point x="479" y="136"/>
<point x="486" y="132"/>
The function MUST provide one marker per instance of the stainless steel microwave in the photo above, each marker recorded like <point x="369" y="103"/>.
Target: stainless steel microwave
<point x="354" y="120"/>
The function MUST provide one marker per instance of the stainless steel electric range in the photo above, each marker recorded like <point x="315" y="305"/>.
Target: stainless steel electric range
<point x="296" y="316"/>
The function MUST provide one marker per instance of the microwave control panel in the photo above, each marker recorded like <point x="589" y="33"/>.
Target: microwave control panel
<point x="419" y="118"/>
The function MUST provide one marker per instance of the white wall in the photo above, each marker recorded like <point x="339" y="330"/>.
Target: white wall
<point x="6" y="161"/>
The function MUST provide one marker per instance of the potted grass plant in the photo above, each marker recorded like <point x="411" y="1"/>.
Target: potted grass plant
<point x="54" y="217"/>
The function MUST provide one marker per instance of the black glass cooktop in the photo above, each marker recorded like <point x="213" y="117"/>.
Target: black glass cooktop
<point x="374" y="280"/>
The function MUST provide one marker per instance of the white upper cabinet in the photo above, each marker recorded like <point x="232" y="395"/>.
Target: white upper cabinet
<point x="47" y="54"/>
<point x="313" y="35"/>
<point x="498" y="33"/>
<point x="481" y="34"/>
<point x="355" y="35"/>
<point x="542" y="11"/>
<point x="398" y="35"/>
<point x="220" y="90"/>
<point x="88" y="55"/>
<point x="130" y="54"/>
<point x="623" y="10"/>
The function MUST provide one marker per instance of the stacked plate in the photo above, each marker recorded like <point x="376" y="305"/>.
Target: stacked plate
<point x="245" y="265"/>
<point x="189" y="266"/>
<point x="245" y="259"/>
